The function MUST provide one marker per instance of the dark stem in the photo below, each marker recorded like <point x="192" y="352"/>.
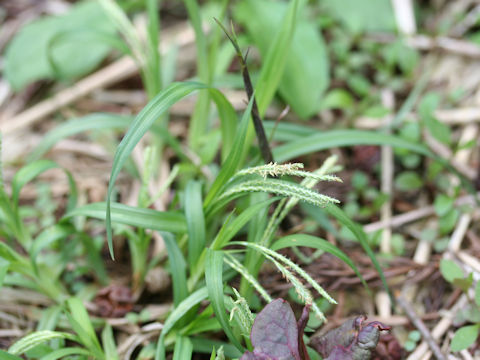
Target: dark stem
<point x="257" y="121"/>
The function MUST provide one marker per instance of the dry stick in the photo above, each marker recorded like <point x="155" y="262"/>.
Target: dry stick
<point x="257" y="121"/>
<point x="120" y="70"/>
<point x="441" y="328"/>
<point x="415" y="215"/>
<point x="423" y="42"/>
<point x="387" y="176"/>
<point x="404" y="16"/>
<point x="418" y="323"/>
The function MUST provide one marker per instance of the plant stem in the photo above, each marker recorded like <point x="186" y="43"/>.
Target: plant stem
<point x="257" y="121"/>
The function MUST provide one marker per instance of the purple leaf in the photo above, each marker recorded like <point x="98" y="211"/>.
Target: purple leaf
<point x="275" y="333"/>
<point x="353" y="340"/>
<point x="301" y="323"/>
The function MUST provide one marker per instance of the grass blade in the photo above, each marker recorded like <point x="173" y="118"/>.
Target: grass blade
<point x="142" y="123"/>
<point x="276" y="59"/>
<point x="177" y="268"/>
<point x="179" y="311"/>
<point x="62" y="353"/>
<point x="230" y="229"/>
<point x="213" y="277"/>
<point x="341" y="138"/>
<point x="30" y="341"/>
<point x="75" y="126"/>
<point x="234" y="157"/>
<point x="183" y="348"/>
<point x="109" y="343"/>
<point x="357" y="230"/>
<point x="317" y="243"/>
<point x="195" y="221"/>
<point x="141" y="217"/>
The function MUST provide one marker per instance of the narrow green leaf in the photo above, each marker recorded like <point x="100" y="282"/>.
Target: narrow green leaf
<point x="6" y="356"/>
<point x="340" y="138"/>
<point x="144" y="120"/>
<point x="195" y="221"/>
<point x="4" y="265"/>
<point x="317" y="243"/>
<point x="465" y="337"/>
<point x="177" y="268"/>
<point x="183" y="348"/>
<point x="336" y="212"/>
<point x="62" y="353"/>
<point x="108" y="341"/>
<point x="100" y="121"/>
<point x="28" y="173"/>
<point x="477" y="294"/>
<point x="30" y="341"/>
<point x="47" y="237"/>
<point x="213" y="278"/>
<point x="178" y="312"/>
<point x="233" y="160"/>
<point x="228" y="121"/>
<point x="230" y="229"/>
<point x="80" y="321"/>
<point x="134" y="216"/>
<point x="204" y="345"/>
<point x="31" y="171"/>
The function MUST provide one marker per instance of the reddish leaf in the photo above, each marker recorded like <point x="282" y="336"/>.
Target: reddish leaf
<point x="275" y="333"/>
<point x="353" y="340"/>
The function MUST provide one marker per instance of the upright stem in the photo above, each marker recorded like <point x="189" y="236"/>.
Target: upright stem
<point x="257" y="121"/>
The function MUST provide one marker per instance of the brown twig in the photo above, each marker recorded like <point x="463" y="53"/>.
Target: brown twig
<point x="257" y="121"/>
<point x="418" y="323"/>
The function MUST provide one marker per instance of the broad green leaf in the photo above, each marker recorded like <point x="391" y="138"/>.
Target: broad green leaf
<point x="337" y="99"/>
<point x="213" y="278"/>
<point x="408" y="180"/>
<point x="134" y="216"/>
<point x="464" y="337"/>
<point x="450" y="270"/>
<point x="426" y="108"/>
<point x="362" y="15"/>
<point x="305" y="76"/>
<point x="26" y="57"/>
<point x="448" y="221"/>
<point x="316" y="243"/>
<point x="177" y="313"/>
<point x="38" y="337"/>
